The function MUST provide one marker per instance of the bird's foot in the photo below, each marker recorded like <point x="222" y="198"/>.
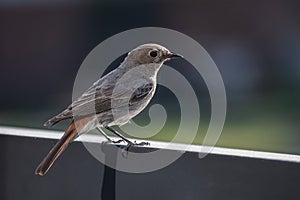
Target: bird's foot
<point x="131" y="144"/>
<point x="141" y="143"/>
<point x="116" y="141"/>
<point x="109" y="140"/>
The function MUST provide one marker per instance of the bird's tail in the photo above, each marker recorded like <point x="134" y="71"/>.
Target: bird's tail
<point x="70" y="134"/>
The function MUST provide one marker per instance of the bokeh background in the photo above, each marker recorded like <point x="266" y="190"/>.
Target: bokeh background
<point x="255" y="45"/>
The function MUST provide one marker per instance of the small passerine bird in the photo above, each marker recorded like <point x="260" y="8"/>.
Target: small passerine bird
<point x="112" y="100"/>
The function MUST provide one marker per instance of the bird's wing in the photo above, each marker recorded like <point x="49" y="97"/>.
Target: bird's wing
<point x="140" y="93"/>
<point x="104" y="98"/>
<point x="99" y="98"/>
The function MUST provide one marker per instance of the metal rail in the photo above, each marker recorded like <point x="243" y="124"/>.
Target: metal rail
<point x="50" y="134"/>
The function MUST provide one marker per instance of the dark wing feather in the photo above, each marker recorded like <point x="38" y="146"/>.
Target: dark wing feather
<point x="140" y="93"/>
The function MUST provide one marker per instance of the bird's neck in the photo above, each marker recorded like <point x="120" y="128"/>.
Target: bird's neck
<point x="149" y="70"/>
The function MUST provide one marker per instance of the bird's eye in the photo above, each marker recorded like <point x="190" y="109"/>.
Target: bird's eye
<point x="153" y="54"/>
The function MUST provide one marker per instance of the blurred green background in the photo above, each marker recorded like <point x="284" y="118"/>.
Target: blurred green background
<point x="255" y="45"/>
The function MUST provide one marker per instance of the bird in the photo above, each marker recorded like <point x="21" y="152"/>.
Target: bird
<point x="112" y="100"/>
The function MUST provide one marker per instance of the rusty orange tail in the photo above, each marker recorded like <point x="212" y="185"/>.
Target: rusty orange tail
<point x="70" y="134"/>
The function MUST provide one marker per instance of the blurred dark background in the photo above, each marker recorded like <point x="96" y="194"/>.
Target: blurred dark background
<point x="255" y="45"/>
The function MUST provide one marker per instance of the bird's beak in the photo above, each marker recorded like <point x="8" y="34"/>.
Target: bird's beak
<point x="172" y="55"/>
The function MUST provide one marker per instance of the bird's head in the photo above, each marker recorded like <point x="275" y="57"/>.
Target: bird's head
<point x="147" y="54"/>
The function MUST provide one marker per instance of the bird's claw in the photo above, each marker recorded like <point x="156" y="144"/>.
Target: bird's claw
<point x="141" y="143"/>
<point x="117" y="141"/>
<point x="114" y="141"/>
<point x="131" y="144"/>
<point x="110" y="141"/>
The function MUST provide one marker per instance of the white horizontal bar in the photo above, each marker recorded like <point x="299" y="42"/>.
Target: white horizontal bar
<point x="37" y="133"/>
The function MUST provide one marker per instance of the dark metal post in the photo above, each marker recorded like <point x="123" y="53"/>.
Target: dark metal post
<point x="108" y="191"/>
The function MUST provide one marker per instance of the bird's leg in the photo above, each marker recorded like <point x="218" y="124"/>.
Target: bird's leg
<point x="107" y="137"/>
<point x="129" y="143"/>
<point x="118" y="134"/>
